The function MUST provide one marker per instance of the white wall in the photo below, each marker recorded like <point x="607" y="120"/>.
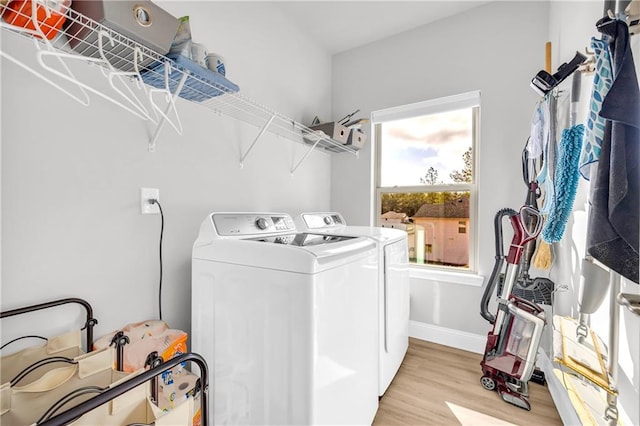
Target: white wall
<point x="490" y="48"/>
<point x="71" y="175"/>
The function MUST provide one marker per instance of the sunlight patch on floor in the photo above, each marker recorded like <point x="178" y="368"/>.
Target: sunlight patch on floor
<point x="468" y="417"/>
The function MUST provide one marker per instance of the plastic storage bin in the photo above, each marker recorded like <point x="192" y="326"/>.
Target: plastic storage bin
<point x="21" y="14"/>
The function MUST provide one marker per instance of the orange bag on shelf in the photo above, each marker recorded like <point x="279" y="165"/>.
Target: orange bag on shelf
<point x="20" y="14"/>
<point x="146" y="337"/>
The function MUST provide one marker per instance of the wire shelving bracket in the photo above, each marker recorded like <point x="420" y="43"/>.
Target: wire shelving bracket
<point x="258" y="137"/>
<point x="82" y="38"/>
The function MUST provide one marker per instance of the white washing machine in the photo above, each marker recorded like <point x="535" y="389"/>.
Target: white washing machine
<point x="393" y="286"/>
<point x="286" y="321"/>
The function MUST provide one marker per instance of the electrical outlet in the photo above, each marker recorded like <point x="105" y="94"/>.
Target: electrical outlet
<point x="147" y="194"/>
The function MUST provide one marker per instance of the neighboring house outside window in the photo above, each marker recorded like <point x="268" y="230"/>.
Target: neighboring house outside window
<point x="425" y="177"/>
<point x="441" y="224"/>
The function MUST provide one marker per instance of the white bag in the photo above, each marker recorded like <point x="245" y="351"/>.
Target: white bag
<point x="66" y="345"/>
<point x="25" y="404"/>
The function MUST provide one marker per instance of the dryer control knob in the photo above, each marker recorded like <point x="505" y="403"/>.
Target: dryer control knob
<point x="327" y="220"/>
<point x="262" y="223"/>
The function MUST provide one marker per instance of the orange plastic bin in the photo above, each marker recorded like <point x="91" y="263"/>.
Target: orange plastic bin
<point x="20" y="13"/>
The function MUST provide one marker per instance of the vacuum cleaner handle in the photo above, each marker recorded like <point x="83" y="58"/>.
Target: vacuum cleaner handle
<point x="497" y="267"/>
<point x="521" y="234"/>
<point x="527" y="305"/>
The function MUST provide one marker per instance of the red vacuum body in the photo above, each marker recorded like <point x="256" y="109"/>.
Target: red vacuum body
<point x="512" y="345"/>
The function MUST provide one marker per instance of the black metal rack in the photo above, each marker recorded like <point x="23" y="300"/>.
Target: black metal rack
<point x="111" y="393"/>
<point x="107" y="395"/>
<point x="90" y="322"/>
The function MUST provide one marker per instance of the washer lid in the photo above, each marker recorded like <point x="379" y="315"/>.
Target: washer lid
<point x="303" y="253"/>
<point x="303" y="239"/>
<point x="270" y="240"/>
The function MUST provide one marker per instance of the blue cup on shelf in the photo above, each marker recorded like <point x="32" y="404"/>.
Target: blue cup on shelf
<point x="215" y="63"/>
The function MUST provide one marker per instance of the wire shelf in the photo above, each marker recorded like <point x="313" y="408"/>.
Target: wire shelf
<point x="65" y="34"/>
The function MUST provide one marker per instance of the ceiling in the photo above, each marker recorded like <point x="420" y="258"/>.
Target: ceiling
<point x="344" y="25"/>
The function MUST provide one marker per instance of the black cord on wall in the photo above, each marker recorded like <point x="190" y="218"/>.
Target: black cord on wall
<point x="154" y="201"/>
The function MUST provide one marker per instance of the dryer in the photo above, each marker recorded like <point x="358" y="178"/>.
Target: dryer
<point x="286" y="321"/>
<point x="393" y="285"/>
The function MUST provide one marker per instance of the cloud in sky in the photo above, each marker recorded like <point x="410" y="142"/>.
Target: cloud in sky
<point x="439" y="137"/>
<point x="411" y="146"/>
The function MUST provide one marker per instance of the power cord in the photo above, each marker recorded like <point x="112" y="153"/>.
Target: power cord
<point x="154" y="201"/>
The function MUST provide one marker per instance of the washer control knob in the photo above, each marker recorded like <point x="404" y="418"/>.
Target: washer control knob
<point x="327" y="220"/>
<point x="262" y="223"/>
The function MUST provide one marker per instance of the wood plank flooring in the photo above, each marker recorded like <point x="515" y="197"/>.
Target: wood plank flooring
<point x="439" y="385"/>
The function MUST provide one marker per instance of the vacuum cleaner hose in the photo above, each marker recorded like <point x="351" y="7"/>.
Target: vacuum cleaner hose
<point x="497" y="267"/>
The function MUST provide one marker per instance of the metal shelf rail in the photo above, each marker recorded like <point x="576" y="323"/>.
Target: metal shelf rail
<point x="159" y="80"/>
<point x="90" y="322"/>
<point x="74" y="413"/>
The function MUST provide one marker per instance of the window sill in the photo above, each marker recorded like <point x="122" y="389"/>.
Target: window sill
<point x="448" y="277"/>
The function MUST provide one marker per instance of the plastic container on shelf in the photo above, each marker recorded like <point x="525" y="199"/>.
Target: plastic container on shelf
<point x="49" y="16"/>
<point x="202" y="84"/>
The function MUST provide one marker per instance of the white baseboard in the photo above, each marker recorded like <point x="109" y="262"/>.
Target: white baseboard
<point x="447" y="336"/>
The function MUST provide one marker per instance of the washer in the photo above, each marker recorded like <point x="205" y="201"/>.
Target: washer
<point x="393" y="286"/>
<point x="286" y="321"/>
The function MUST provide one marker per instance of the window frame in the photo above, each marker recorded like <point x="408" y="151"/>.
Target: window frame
<point x="434" y="106"/>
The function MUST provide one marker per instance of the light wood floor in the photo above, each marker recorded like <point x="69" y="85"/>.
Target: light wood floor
<point x="439" y="385"/>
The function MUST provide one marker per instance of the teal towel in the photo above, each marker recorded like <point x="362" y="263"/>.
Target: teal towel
<point x="565" y="184"/>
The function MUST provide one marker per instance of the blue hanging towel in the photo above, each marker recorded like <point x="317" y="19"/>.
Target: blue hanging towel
<point x="565" y="184"/>
<point x="594" y="131"/>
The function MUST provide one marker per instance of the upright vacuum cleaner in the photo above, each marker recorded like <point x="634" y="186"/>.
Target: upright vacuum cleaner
<point x="512" y="345"/>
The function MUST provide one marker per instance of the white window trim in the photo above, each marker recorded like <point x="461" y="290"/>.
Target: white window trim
<point x="433" y="106"/>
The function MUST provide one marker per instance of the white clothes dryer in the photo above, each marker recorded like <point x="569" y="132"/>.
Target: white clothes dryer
<point x="286" y="322"/>
<point x="393" y="285"/>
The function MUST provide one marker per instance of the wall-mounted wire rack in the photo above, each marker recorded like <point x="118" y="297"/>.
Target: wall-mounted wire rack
<point x="63" y="36"/>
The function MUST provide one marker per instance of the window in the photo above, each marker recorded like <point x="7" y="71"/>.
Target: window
<point x="462" y="227"/>
<point x="426" y="180"/>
